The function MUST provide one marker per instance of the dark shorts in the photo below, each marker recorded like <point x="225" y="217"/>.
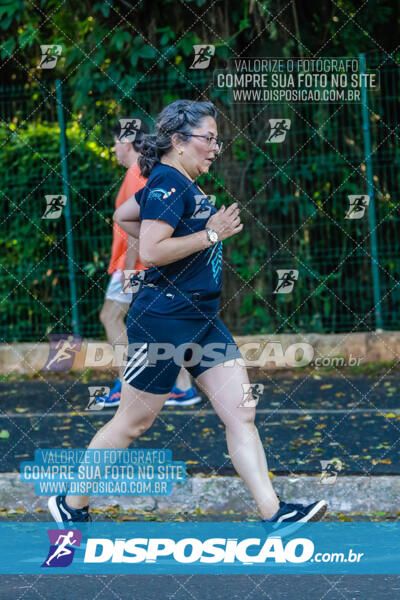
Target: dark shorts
<point x="160" y="346"/>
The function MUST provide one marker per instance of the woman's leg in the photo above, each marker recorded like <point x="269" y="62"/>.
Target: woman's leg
<point x="183" y="381"/>
<point x="223" y="386"/>
<point x="136" y="413"/>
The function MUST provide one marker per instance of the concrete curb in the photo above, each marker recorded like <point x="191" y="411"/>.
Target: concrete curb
<point x="348" y="494"/>
<point x="373" y="346"/>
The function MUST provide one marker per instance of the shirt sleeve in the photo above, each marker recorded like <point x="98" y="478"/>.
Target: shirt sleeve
<point x="165" y="201"/>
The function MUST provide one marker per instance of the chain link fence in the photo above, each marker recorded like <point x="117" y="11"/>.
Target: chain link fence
<point x="293" y="197"/>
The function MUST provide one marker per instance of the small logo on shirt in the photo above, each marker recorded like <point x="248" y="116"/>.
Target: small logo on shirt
<point x="160" y="194"/>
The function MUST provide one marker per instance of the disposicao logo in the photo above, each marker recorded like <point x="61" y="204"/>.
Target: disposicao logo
<point x="190" y="550"/>
<point x="61" y="551"/>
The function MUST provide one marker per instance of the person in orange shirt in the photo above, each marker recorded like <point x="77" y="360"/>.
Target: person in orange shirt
<point x="124" y="250"/>
<point x="124" y="256"/>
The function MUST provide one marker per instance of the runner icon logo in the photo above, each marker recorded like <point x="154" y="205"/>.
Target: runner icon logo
<point x="63" y="543"/>
<point x="129" y="129"/>
<point x="202" y="56"/>
<point x="54" y="206"/>
<point x="357" y="206"/>
<point x="50" y="56"/>
<point x="62" y="351"/>
<point x="279" y="129"/>
<point x="203" y="206"/>
<point x="96" y="392"/>
<point x="251" y="394"/>
<point x="287" y="279"/>
<point x="330" y="470"/>
<point x="132" y="281"/>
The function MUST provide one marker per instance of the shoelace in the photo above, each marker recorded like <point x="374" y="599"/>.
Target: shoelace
<point x="82" y="518"/>
<point x="298" y="507"/>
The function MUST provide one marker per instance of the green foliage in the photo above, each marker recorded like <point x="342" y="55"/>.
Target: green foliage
<point x="34" y="262"/>
<point x="115" y="44"/>
<point x="120" y="58"/>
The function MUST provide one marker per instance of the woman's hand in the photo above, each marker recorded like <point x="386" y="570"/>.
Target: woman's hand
<point x="226" y="222"/>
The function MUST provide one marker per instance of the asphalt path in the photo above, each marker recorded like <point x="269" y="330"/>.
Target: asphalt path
<point x="301" y="421"/>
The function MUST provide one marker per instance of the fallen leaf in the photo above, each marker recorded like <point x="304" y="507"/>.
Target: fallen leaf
<point x="4" y="434"/>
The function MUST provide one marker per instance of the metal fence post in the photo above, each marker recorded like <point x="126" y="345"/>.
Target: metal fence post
<point x="370" y="192"/>
<point x="67" y="210"/>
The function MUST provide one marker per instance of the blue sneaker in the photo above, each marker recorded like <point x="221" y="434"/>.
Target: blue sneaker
<point x="113" y="397"/>
<point x="291" y="517"/>
<point x="179" y="397"/>
<point x="62" y="513"/>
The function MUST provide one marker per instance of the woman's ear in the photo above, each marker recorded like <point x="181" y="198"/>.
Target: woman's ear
<point x="177" y="143"/>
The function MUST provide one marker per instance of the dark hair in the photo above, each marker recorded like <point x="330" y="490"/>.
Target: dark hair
<point x="140" y="133"/>
<point x="180" y="117"/>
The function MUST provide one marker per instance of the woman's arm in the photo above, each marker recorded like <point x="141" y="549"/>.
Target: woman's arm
<point x="132" y="252"/>
<point x="158" y="248"/>
<point x="127" y="217"/>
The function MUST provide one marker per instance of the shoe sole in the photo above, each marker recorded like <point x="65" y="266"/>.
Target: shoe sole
<point x="190" y="402"/>
<point x="115" y="403"/>
<point x="54" y="511"/>
<point x="316" y="514"/>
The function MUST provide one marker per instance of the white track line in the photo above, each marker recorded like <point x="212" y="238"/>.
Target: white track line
<point x="200" y="412"/>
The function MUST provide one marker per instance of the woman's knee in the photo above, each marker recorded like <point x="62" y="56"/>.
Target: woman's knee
<point x="135" y="429"/>
<point x="242" y="416"/>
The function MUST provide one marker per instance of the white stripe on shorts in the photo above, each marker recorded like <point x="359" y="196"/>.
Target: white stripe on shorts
<point x="135" y="374"/>
<point x="134" y="362"/>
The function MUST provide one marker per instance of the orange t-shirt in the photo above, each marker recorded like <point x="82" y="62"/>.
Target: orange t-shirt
<point x="133" y="182"/>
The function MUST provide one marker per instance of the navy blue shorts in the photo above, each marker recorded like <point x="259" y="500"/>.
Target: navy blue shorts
<point x="160" y="346"/>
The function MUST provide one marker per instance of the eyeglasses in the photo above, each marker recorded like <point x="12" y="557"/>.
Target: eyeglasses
<point x="212" y="141"/>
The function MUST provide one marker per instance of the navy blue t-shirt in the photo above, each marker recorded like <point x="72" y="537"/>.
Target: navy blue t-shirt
<point x="170" y="196"/>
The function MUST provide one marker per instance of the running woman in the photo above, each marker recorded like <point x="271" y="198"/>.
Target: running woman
<point x="124" y="256"/>
<point x="177" y="304"/>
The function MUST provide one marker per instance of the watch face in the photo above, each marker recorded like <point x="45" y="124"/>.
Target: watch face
<point x="213" y="235"/>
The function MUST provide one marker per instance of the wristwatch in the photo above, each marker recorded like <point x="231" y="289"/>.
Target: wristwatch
<point x="212" y="235"/>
